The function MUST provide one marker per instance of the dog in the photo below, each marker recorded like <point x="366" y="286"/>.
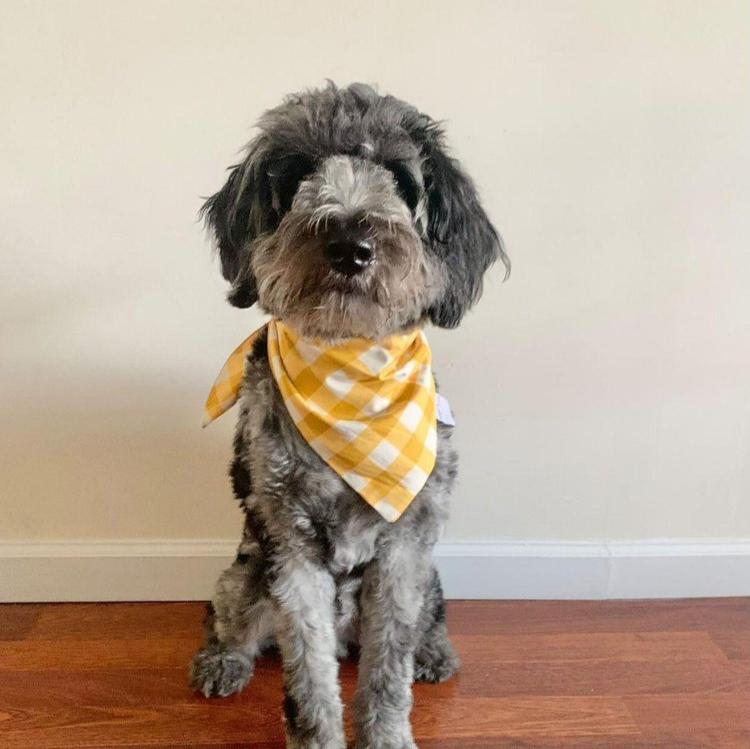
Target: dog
<point x="346" y="219"/>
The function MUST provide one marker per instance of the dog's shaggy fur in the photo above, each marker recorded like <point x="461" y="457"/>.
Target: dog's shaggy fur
<point x="318" y="569"/>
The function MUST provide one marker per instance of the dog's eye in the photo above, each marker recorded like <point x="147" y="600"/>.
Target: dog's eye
<point x="406" y="183"/>
<point x="285" y="175"/>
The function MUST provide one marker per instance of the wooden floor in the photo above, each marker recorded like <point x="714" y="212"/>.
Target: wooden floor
<point x="613" y="675"/>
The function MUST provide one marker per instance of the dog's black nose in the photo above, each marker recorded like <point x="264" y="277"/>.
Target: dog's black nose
<point x="349" y="256"/>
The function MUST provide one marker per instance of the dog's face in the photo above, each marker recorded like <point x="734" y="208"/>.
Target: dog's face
<point x="347" y="218"/>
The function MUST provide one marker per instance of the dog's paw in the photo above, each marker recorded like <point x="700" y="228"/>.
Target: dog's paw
<point x="435" y="666"/>
<point x="219" y="673"/>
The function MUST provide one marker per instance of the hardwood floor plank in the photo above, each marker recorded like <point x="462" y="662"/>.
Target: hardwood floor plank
<point x="594" y="646"/>
<point x="42" y="655"/>
<point x="562" y="717"/>
<point x="728" y="740"/>
<point x="186" y="724"/>
<point x="35" y="690"/>
<point x="538" y="617"/>
<point x="131" y="687"/>
<point x="117" y="621"/>
<point x="611" y="678"/>
<point x="663" y="714"/>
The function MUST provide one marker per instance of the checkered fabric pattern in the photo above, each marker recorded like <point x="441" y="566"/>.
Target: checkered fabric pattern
<point x="226" y="388"/>
<point x="368" y="409"/>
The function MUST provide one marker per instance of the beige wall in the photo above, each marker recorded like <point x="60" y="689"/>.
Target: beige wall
<point x="603" y="393"/>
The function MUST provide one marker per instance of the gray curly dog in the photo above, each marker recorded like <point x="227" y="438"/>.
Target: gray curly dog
<point x="345" y="218"/>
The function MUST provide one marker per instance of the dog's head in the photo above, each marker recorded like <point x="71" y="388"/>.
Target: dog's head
<point x="347" y="218"/>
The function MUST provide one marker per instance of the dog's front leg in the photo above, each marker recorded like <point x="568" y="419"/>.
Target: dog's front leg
<point x="392" y="595"/>
<point x="304" y="592"/>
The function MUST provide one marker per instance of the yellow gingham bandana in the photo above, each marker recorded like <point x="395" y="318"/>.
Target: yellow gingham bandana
<point x="367" y="408"/>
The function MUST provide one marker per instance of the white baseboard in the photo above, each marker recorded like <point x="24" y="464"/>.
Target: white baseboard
<point x="187" y="569"/>
<point x="669" y="568"/>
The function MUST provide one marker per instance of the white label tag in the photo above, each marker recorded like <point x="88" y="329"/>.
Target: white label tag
<point x="444" y="413"/>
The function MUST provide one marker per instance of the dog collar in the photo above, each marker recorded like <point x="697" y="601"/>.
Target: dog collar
<point x="368" y="409"/>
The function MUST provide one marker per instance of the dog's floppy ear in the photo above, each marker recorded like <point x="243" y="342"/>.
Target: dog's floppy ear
<point x="236" y="215"/>
<point x="458" y="231"/>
